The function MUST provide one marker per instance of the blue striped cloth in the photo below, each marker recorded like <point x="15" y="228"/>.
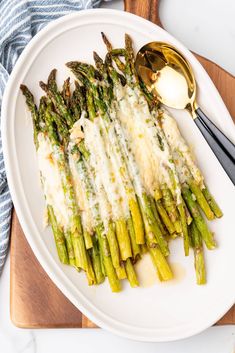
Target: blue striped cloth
<point x="20" y="20"/>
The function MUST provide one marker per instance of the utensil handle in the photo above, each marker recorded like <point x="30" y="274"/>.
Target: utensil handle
<point x="222" y="147"/>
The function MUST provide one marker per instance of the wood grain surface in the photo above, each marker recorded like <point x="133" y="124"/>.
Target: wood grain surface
<point x="35" y="301"/>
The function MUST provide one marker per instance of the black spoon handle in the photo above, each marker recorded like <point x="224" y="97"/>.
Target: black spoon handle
<point x="222" y="147"/>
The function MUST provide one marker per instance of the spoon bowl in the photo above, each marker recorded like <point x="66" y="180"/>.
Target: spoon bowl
<point x="167" y="75"/>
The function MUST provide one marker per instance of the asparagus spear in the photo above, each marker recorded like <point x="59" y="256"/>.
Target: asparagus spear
<point x="121" y="272"/>
<point x="135" y="247"/>
<point x="75" y="220"/>
<point x="157" y="217"/>
<point x="99" y="227"/>
<point x="199" y="220"/>
<point x="34" y="112"/>
<point x="201" y="200"/>
<point x="199" y="262"/>
<point x="213" y="205"/>
<point x="76" y="232"/>
<point x="161" y="264"/>
<point x="131" y="275"/>
<point x="164" y="216"/>
<point x="58" y="236"/>
<point x="65" y="120"/>
<point x="37" y="127"/>
<point x="113" y="245"/>
<point x="109" y="269"/>
<point x="95" y="256"/>
<point x="153" y="224"/>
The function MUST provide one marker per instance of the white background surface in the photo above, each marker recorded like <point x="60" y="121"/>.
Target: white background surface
<point x="208" y="28"/>
<point x="205" y="26"/>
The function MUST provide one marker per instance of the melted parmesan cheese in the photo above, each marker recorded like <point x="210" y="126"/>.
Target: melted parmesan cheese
<point x="51" y="181"/>
<point x="115" y="154"/>
<point x="179" y="145"/>
<point x="95" y="200"/>
<point x="103" y="211"/>
<point x="139" y="125"/>
<point x="103" y="164"/>
<point x="80" y="195"/>
<point x="128" y="115"/>
<point x="128" y="155"/>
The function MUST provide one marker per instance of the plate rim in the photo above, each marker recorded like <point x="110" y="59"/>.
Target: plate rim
<point x="52" y="271"/>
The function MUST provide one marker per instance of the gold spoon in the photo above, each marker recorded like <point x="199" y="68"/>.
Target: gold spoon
<point x="168" y="75"/>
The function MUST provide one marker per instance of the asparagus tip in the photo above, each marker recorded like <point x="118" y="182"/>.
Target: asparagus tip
<point x="25" y="90"/>
<point x="23" y="87"/>
<point x="71" y="64"/>
<point x="43" y="101"/>
<point x="106" y="41"/>
<point x="77" y="85"/>
<point x="96" y="56"/>
<point x="128" y="37"/>
<point x="67" y="81"/>
<point x="28" y="95"/>
<point x="43" y="86"/>
<point x="51" y="77"/>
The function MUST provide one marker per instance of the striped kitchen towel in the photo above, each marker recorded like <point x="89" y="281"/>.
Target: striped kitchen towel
<point x="20" y="20"/>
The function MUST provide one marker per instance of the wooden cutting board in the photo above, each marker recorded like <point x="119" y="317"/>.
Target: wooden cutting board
<point x="35" y="301"/>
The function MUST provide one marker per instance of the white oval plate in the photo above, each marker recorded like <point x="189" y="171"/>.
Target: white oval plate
<point x="157" y="312"/>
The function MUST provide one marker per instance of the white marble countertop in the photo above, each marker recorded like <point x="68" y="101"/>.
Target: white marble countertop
<point x="208" y="29"/>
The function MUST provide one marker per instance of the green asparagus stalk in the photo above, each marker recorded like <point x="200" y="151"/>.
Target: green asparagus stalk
<point x="158" y="259"/>
<point x="164" y="216"/>
<point x="90" y="274"/>
<point x="108" y="265"/>
<point x="199" y="262"/>
<point x="199" y="220"/>
<point x="95" y="256"/>
<point x="59" y="237"/>
<point x="70" y="250"/>
<point x="184" y="228"/>
<point x="123" y="238"/>
<point x="211" y="201"/>
<point x="75" y="221"/>
<point x="135" y="247"/>
<point x="52" y="91"/>
<point x="201" y="200"/>
<point x="121" y="272"/>
<point x="113" y="245"/>
<point x="188" y="215"/>
<point x="153" y="224"/>
<point x="157" y="217"/>
<point x="161" y="264"/>
<point x="99" y="227"/>
<point x="34" y="112"/>
<point x="66" y="93"/>
<point x="131" y="275"/>
<point x="37" y="127"/>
